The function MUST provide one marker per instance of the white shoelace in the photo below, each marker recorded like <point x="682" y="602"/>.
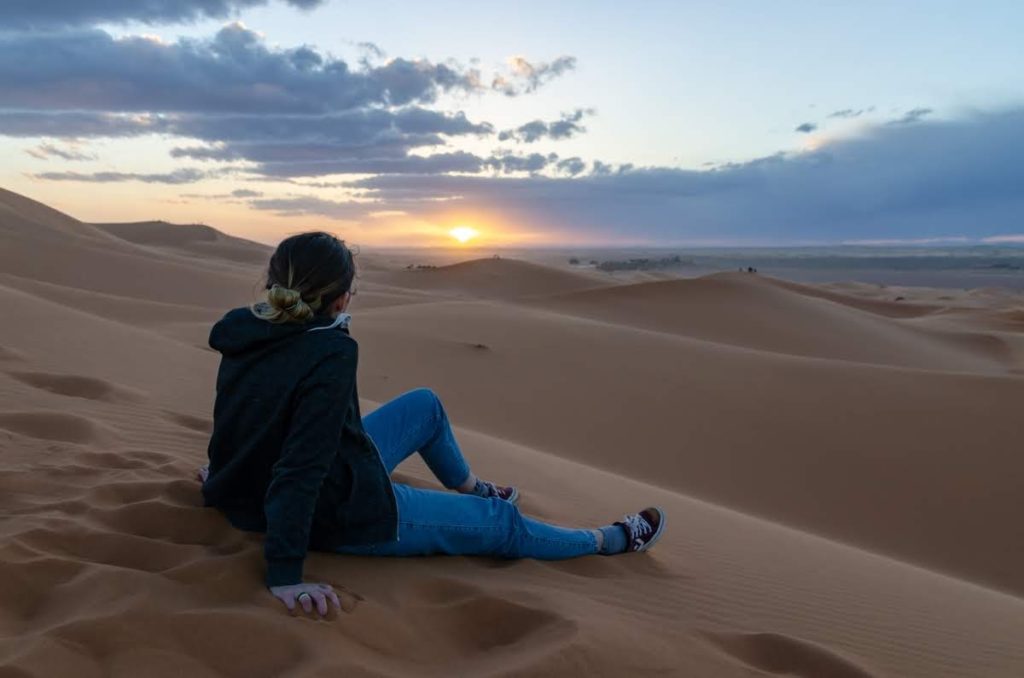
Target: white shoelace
<point x="637" y="526"/>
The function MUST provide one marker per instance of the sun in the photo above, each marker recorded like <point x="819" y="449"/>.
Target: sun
<point x="463" y="233"/>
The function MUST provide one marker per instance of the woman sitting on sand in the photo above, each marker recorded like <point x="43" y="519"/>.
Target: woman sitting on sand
<point x="291" y="455"/>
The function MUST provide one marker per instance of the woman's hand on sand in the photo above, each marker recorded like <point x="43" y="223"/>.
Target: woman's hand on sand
<point x="307" y="596"/>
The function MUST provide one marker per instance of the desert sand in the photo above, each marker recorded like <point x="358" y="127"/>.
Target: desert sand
<point x="842" y="473"/>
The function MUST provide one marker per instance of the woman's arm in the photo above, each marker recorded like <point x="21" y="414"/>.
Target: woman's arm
<point x="318" y="415"/>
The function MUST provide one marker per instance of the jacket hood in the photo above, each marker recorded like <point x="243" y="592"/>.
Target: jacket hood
<point x="240" y="331"/>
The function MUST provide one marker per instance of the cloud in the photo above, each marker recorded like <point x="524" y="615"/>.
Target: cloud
<point x="508" y="162"/>
<point x="236" y="71"/>
<point x="568" y="125"/>
<point x="523" y="77"/>
<point x="288" y="112"/>
<point x="850" y="112"/>
<point x="571" y="166"/>
<point x="911" y="116"/>
<point x="234" y="196"/>
<point x="21" y="14"/>
<point x="45" y="151"/>
<point x="311" y="205"/>
<point x="78" y="124"/>
<point x="438" y="163"/>
<point x="934" y="179"/>
<point x="289" y="145"/>
<point x="179" y="176"/>
<point x="806" y="128"/>
<point x="369" y="133"/>
<point x="1009" y="239"/>
<point x="371" y="50"/>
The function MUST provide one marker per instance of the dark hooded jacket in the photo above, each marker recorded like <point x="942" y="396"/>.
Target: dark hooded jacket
<point x="288" y="454"/>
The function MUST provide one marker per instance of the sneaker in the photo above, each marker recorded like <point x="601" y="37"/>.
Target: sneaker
<point x="488" y="490"/>
<point x="643" y="529"/>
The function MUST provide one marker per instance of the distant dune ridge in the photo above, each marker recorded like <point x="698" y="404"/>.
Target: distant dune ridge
<point x="842" y="472"/>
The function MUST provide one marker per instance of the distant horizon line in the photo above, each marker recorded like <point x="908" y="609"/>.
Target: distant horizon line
<point x="1012" y="244"/>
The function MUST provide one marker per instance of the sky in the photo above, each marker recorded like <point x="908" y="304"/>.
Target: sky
<point x="534" y="124"/>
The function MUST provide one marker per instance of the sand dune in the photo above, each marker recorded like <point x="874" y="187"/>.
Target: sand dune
<point x="50" y="251"/>
<point x="19" y="215"/>
<point x="841" y="479"/>
<point x="766" y="314"/>
<point x="191" y="239"/>
<point x="492" y="278"/>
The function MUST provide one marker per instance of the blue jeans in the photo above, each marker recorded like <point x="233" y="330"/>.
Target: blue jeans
<point x="431" y="521"/>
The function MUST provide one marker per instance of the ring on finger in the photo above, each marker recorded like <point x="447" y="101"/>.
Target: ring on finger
<point x="304" y="593"/>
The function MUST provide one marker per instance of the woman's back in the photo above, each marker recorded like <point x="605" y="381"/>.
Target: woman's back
<point x="287" y="433"/>
<point x="262" y="365"/>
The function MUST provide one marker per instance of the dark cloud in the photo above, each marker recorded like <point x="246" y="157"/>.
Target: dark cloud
<point x="508" y="162"/>
<point x="599" y="168"/>
<point x="280" y="145"/>
<point x="179" y="176"/>
<point x="288" y="112"/>
<point x="357" y="141"/>
<point x="336" y="140"/>
<point x="566" y="126"/>
<point x="246" y="193"/>
<point x="806" y="128"/>
<point x="22" y="14"/>
<point x="75" y="124"/>
<point x="524" y="77"/>
<point x="932" y="179"/>
<point x="571" y="166"/>
<point x="234" y="72"/>
<point x="45" y="151"/>
<point x="911" y="116"/>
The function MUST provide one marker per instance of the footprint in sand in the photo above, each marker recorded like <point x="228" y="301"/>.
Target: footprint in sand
<point x="50" y="425"/>
<point x="463" y="615"/>
<point x="76" y="386"/>
<point x="786" y="655"/>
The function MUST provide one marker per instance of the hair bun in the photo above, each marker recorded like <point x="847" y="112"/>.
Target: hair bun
<point x="289" y="302"/>
<point x="307" y="274"/>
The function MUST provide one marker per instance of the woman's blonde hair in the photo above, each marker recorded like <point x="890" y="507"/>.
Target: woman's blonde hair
<point x="307" y="273"/>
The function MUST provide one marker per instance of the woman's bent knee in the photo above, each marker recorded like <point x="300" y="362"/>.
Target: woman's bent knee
<point x="513" y="529"/>
<point x="427" y="398"/>
<point x="423" y="393"/>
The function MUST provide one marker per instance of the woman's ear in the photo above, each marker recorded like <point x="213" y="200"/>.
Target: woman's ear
<point x="341" y="303"/>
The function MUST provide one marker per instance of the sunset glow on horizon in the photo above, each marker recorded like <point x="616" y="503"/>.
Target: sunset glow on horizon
<point x="463" y="233"/>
